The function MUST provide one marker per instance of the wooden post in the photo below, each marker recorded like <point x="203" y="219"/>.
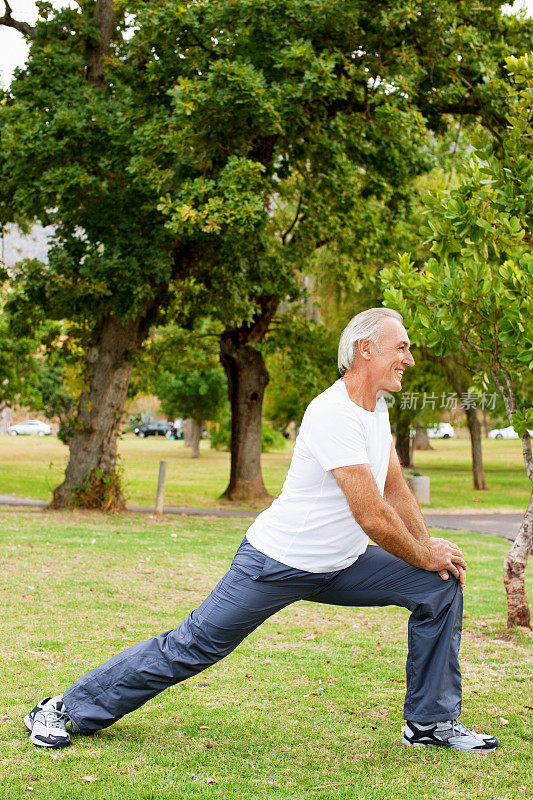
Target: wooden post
<point x="160" y="488"/>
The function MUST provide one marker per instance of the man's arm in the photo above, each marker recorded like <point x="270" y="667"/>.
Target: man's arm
<point x="400" y="497"/>
<point x="384" y="526"/>
<point x="398" y="494"/>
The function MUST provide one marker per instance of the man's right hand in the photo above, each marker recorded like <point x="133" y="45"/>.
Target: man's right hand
<point x="444" y="557"/>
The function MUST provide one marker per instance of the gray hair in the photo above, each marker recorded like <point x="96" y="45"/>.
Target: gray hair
<point x="366" y="325"/>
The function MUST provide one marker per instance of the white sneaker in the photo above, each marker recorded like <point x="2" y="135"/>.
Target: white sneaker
<point x="47" y="722"/>
<point x="451" y="733"/>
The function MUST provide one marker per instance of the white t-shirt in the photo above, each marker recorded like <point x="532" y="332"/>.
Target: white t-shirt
<point x="310" y="525"/>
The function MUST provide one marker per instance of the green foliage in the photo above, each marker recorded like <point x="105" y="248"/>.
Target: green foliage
<point x="523" y="420"/>
<point x="475" y="294"/>
<point x="301" y="358"/>
<point x="198" y="393"/>
<point x="173" y="348"/>
<point x="35" y="369"/>
<point x="220" y="436"/>
<point x="16" y="363"/>
<point x="55" y="399"/>
<point x="271" y="439"/>
<point x="171" y="175"/>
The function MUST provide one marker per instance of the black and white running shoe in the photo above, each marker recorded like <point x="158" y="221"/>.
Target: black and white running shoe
<point x="48" y="724"/>
<point x="447" y="734"/>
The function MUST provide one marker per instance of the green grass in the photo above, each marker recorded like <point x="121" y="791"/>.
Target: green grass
<point x="32" y="467"/>
<point x="309" y="706"/>
<point x="449" y="468"/>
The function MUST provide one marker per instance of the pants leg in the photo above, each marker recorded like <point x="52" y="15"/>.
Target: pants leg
<point x="241" y="601"/>
<point x="433" y="674"/>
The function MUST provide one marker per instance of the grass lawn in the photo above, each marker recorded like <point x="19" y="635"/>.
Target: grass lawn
<point x="309" y="706"/>
<point x="32" y="467"/>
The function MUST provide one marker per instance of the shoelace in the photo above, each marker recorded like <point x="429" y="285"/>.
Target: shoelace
<point x="54" y="718"/>
<point x="459" y="729"/>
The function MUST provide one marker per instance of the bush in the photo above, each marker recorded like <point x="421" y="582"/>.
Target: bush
<point x="271" y="439"/>
<point x="221" y="436"/>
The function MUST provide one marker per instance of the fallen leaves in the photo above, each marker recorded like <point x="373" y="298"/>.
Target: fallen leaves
<point x="89" y="778"/>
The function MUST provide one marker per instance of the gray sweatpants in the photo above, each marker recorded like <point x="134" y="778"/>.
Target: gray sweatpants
<point x="254" y="588"/>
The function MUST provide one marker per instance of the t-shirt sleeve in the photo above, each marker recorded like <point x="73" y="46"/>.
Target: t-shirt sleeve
<point x="335" y="437"/>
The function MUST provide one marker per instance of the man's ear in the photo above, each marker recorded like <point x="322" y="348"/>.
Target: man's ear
<point x="364" y="347"/>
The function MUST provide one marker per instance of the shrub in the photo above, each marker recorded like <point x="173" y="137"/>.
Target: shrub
<point x="271" y="439"/>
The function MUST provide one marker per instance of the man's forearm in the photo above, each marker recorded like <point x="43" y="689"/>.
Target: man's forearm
<point x="404" y="503"/>
<point x="388" y="530"/>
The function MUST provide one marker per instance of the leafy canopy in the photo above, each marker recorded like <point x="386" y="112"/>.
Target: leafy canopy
<point x="475" y="294"/>
<point x="169" y="175"/>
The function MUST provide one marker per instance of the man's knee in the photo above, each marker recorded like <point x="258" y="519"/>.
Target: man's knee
<point x="442" y="596"/>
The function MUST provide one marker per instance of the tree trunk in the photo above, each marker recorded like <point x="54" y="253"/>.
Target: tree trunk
<point x="91" y="478"/>
<point x="187" y="432"/>
<point x="98" y="49"/>
<point x="514" y="570"/>
<point x="247" y="379"/>
<point x="514" y="566"/>
<point x="474" y="427"/>
<point x="421" y="441"/>
<point x="196" y="429"/>
<point x="460" y="379"/>
<point x="403" y="443"/>
<point x="6" y="418"/>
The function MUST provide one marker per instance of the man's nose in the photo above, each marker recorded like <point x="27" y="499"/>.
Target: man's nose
<point x="409" y="360"/>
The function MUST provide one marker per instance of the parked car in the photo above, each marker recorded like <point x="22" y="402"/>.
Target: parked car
<point x="29" y="427"/>
<point x="153" y="429"/>
<point x="441" y="430"/>
<point x="505" y="433"/>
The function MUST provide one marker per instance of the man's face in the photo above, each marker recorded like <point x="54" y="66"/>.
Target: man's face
<point x="389" y="365"/>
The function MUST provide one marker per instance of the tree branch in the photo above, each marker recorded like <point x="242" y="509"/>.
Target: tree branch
<point x="293" y="223"/>
<point x="24" y="28"/>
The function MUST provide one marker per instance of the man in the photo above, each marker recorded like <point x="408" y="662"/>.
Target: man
<point x="344" y="485"/>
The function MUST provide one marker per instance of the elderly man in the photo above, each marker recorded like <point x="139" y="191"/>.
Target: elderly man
<point x="344" y="486"/>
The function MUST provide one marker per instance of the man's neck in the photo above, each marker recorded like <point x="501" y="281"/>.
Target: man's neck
<point x="360" y="390"/>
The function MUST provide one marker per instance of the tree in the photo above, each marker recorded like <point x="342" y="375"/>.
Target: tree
<point x="475" y="296"/>
<point x="156" y="137"/>
<point x="461" y="378"/>
<point x="346" y="160"/>
<point x="32" y="364"/>
<point x="301" y="355"/>
<point x="198" y="394"/>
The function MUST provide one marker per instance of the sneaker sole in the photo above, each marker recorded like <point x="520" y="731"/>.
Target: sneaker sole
<point x="52" y="745"/>
<point x="407" y="743"/>
<point x="28" y="722"/>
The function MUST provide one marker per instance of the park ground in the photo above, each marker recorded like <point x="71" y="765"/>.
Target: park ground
<point x="32" y="467"/>
<point x="309" y="706"/>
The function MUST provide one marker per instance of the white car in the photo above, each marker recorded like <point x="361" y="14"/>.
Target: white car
<point x="441" y="430"/>
<point x="29" y="427"/>
<point x="505" y="433"/>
